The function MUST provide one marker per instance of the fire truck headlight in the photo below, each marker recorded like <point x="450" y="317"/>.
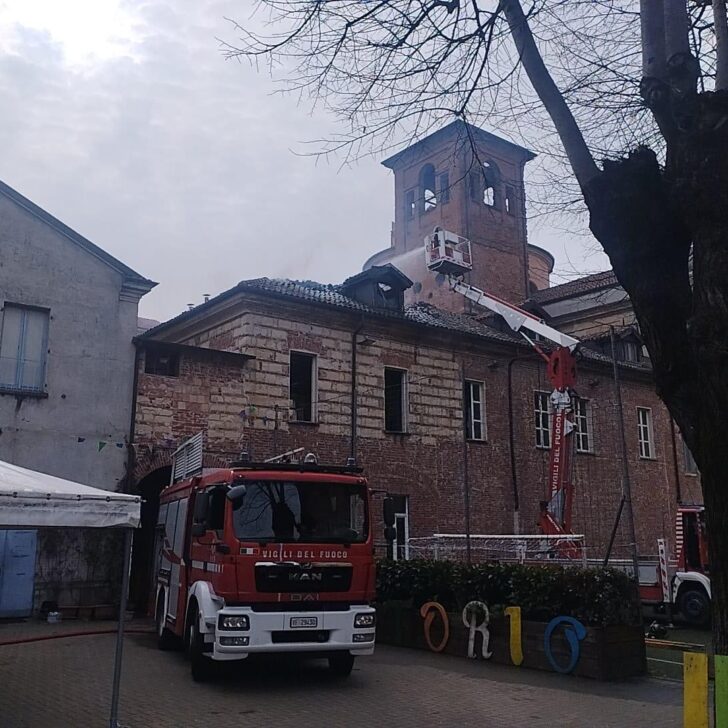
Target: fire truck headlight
<point x="364" y="637"/>
<point x="362" y="621"/>
<point x="234" y="621"/>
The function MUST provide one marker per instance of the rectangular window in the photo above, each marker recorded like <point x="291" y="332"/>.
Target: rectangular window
<point x="583" y="425"/>
<point x="444" y="187"/>
<point x="474" y="410"/>
<point x="303" y="386"/>
<point x="510" y="200"/>
<point x="691" y="467"/>
<point x="409" y="204"/>
<point x="398" y="550"/>
<point x="645" y="436"/>
<point x="23" y="345"/>
<point x="395" y="400"/>
<point x="542" y="413"/>
<point x="161" y="363"/>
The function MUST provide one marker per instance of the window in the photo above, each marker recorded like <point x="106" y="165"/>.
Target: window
<point x="399" y="549"/>
<point x="161" y="363"/>
<point x="444" y="187"/>
<point x="395" y="400"/>
<point x="691" y="467"/>
<point x="542" y="412"/>
<point x="409" y="204"/>
<point x="583" y="425"/>
<point x="491" y="182"/>
<point x="427" y="187"/>
<point x="645" y="436"/>
<point x="23" y="344"/>
<point x="303" y="386"/>
<point x="510" y="202"/>
<point x="474" y="411"/>
<point x="631" y="351"/>
<point x="308" y="512"/>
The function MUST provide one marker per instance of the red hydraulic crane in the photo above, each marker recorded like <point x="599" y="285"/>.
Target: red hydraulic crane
<point x="449" y="254"/>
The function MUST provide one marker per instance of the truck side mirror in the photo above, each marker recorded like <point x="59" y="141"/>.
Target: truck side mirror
<point x="202" y="507"/>
<point x="388" y="510"/>
<point x="236" y="495"/>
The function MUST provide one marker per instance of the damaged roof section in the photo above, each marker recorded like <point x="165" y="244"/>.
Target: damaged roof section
<point x="334" y="297"/>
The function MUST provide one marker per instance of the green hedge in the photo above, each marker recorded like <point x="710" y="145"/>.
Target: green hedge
<point x="596" y="597"/>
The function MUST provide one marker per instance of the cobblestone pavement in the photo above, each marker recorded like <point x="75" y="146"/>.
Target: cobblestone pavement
<point x="66" y="683"/>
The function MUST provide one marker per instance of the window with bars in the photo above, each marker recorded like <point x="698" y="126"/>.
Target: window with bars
<point x="474" y="401"/>
<point x="542" y="414"/>
<point x="23" y="346"/>
<point x="645" y="436"/>
<point x="583" y="429"/>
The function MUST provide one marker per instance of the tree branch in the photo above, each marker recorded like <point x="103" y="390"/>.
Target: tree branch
<point x="721" y="45"/>
<point x="580" y="158"/>
<point x="677" y="28"/>
<point x="652" y="26"/>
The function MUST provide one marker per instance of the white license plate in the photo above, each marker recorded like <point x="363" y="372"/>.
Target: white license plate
<point x="304" y="622"/>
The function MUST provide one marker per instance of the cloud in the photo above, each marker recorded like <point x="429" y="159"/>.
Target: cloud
<point x="175" y="160"/>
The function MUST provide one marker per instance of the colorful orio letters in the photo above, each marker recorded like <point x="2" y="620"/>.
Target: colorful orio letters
<point x="516" y="641"/>
<point x="427" y="612"/>
<point x="470" y="620"/>
<point x="574" y="631"/>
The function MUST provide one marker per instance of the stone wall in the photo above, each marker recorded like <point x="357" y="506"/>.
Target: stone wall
<point x="246" y="407"/>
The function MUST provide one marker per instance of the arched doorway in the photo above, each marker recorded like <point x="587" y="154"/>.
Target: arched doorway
<point x="141" y="579"/>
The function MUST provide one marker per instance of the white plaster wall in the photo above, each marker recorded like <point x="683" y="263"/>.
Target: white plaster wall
<point x="89" y="370"/>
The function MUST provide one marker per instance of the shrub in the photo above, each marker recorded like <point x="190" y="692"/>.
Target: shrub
<point x="596" y="597"/>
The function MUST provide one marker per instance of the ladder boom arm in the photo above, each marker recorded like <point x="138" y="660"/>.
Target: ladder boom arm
<point x="515" y="317"/>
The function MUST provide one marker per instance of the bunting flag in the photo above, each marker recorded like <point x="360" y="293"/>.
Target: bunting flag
<point x="102" y="445"/>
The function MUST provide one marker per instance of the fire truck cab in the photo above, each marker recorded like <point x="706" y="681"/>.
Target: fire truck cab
<point x="266" y="558"/>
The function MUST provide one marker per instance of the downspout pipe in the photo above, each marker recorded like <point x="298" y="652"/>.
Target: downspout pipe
<point x="512" y="439"/>
<point x="354" y="345"/>
<point x="130" y="458"/>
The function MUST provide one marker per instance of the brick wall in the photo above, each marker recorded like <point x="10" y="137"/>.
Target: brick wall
<point x="236" y="405"/>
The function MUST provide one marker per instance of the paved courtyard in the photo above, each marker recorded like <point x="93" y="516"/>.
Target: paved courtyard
<point x="65" y="683"/>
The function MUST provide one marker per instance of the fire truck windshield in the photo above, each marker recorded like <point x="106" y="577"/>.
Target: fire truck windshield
<point x="303" y="512"/>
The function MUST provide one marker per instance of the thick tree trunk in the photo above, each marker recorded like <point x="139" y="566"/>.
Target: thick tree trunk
<point x="647" y="219"/>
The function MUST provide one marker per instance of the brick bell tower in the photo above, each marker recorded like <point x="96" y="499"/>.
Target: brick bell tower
<point x="467" y="181"/>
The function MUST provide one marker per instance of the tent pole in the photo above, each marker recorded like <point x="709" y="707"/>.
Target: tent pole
<point x="114" y="717"/>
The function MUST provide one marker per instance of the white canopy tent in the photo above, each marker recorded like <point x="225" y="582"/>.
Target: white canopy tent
<point x="29" y="499"/>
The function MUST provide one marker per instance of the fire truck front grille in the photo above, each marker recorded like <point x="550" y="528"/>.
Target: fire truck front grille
<point x="282" y="637"/>
<point x="297" y="578"/>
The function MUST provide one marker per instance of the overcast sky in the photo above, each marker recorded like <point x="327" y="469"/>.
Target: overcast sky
<point x="123" y="119"/>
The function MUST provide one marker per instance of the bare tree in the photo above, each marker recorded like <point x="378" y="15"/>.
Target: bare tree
<point x="605" y="76"/>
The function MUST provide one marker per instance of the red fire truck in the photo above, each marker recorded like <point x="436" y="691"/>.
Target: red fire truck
<point x="265" y="557"/>
<point x="684" y="581"/>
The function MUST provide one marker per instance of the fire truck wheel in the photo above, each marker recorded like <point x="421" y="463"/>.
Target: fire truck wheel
<point x="341" y="664"/>
<point x="694" y="606"/>
<point x="166" y="640"/>
<point x="201" y="666"/>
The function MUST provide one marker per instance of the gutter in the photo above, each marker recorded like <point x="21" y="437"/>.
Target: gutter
<point x="354" y="337"/>
<point x="131" y="454"/>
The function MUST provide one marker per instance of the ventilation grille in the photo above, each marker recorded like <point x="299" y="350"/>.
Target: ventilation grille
<point x="187" y="459"/>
